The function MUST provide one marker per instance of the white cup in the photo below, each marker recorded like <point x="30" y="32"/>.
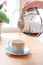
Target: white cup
<point x="17" y="44"/>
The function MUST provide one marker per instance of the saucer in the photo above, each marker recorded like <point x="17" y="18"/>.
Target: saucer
<point x="26" y="51"/>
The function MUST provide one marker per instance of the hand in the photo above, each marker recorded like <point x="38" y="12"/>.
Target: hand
<point x="29" y="6"/>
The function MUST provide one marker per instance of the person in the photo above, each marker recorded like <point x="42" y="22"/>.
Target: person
<point x="29" y="6"/>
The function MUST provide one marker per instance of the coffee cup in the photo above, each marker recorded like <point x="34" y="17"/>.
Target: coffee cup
<point x="17" y="44"/>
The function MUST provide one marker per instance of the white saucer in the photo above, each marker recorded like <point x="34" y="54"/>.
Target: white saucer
<point x="24" y="52"/>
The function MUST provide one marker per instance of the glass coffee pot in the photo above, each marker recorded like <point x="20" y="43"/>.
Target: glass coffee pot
<point x="21" y="21"/>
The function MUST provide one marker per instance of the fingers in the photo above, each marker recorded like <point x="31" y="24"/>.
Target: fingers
<point x="30" y="9"/>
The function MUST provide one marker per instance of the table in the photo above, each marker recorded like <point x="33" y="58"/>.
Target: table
<point x="34" y="58"/>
